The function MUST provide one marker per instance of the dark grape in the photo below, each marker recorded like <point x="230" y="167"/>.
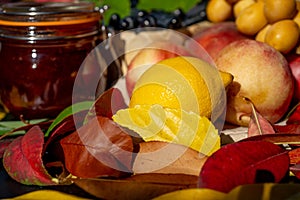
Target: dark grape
<point x="159" y="18"/>
<point x="114" y="21"/>
<point x="149" y="21"/>
<point x="127" y="23"/>
<point x="179" y="13"/>
<point x="174" y="23"/>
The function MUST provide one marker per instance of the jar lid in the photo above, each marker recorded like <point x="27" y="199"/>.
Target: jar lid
<point x="47" y="14"/>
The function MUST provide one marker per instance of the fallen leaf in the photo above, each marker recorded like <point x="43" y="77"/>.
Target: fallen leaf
<point x="291" y="139"/>
<point x="288" y="128"/>
<point x="244" y="163"/>
<point x="107" y="104"/>
<point x="294" y="115"/>
<point x="22" y="159"/>
<point x="258" y="125"/>
<point x="4" y="144"/>
<point x="143" y="186"/>
<point x="169" y="158"/>
<point x="194" y="194"/>
<point x="99" y="148"/>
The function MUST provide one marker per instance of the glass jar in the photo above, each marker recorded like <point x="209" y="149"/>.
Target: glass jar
<point x="42" y="46"/>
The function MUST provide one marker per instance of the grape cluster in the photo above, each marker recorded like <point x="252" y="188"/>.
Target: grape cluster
<point x="157" y="18"/>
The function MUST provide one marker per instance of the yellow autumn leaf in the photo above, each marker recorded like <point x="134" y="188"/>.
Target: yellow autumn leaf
<point x="47" y="195"/>
<point x="193" y="194"/>
<point x="155" y="123"/>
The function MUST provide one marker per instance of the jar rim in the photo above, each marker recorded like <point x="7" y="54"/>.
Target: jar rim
<point x="36" y="8"/>
<point x="48" y="13"/>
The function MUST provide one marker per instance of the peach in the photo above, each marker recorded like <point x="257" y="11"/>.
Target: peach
<point x="150" y="55"/>
<point x="216" y="37"/>
<point x="261" y="75"/>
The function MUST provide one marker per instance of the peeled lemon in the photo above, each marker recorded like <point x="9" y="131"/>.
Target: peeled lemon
<point x="186" y="83"/>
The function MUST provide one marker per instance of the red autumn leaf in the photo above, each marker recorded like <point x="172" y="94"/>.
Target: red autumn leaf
<point x="244" y="163"/>
<point x="294" y="117"/>
<point x="258" y="125"/>
<point x="68" y="125"/>
<point x="288" y="128"/>
<point x="22" y="159"/>
<point x="107" y="104"/>
<point x="99" y="148"/>
<point x="291" y="139"/>
<point x="3" y="145"/>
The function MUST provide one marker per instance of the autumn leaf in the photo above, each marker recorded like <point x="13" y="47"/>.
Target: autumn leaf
<point x="99" y="148"/>
<point x="22" y="159"/>
<point x="107" y="104"/>
<point x="258" y="125"/>
<point x="291" y="139"/>
<point x="294" y="115"/>
<point x="142" y="186"/>
<point x="287" y="128"/>
<point x="244" y="163"/>
<point x="4" y="144"/>
<point x="169" y="158"/>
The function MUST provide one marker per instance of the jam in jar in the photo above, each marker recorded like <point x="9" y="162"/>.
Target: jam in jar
<point x="42" y="46"/>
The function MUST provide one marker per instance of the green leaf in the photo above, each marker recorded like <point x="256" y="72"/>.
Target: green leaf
<point x="85" y="105"/>
<point x="166" y="5"/>
<point x="115" y="6"/>
<point x="7" y="126"/>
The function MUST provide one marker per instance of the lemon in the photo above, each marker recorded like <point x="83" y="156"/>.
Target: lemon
<point x="155" y="123"/>
<point x="186" y="83"/>
<point x="283" y="35"/>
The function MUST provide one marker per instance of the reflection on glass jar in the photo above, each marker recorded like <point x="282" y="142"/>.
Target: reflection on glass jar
<point x="42" y="48"/>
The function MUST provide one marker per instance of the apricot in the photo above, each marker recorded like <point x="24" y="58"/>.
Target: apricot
<point x="283" y="35"/>
<point x="218" y="10"/>
<point x="297" y="18"/>
<point x="261" y="35"/>
<point x="276" y="10"/>
<point x="241" y="5"/>
<point x="252" y="19"/>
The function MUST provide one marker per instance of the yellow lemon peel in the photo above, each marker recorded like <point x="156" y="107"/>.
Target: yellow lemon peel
<point x="156" y="123"/>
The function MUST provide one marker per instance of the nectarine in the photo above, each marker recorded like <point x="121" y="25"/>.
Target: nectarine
<point x="215" y="38"/>
<point x="261" y="75"/>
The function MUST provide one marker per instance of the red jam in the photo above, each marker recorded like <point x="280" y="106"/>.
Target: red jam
<point x="42" y="49"/>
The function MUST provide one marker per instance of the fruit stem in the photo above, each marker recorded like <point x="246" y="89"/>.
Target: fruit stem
<point x="254" y="114"/>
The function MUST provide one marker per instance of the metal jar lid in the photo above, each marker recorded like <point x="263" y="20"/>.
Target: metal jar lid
<point x="48" y="15"/>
